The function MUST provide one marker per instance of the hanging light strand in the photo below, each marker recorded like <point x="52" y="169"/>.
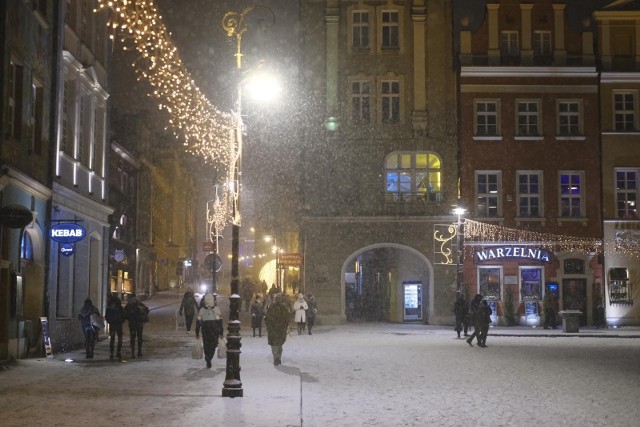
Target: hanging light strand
<point x="202" y="126"/>
<point x="480" y="232"/>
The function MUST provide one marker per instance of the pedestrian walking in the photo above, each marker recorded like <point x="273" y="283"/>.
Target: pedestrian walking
<point x="461" y="310"/>
<point x="189" y="307"/>
<point x="277" y="320"/>
<point x="311" y="311"/>
<point x="88" y="320"/>
<point x="210" y="325"/>
<point x="474" y="318"/>
<point x="257" y="314"/>
<point x="485" y="320"/>
<point x="246" y="289"/>
<point x="114" y="316"/>
<point x="300" y="308"/>
<point x="137" y="315"/>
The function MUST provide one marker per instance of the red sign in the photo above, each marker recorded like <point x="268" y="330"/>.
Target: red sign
<point x="290" y="259"/>
<point x="209" y="246"/>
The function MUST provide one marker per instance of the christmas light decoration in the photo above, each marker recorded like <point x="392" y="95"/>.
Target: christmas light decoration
<point x="206" y="131"/>
<point x="479" y="233"/>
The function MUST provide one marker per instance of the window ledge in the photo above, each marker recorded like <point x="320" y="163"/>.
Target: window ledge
<point x="541" y="220"/>
<point x="571" y="138"/>
<point x="528" y="138"/>
<point x="488" y="138"/>
<point x="622" y="133"/>
<point x="360" y="50"/>
<point x="562" y="219"/>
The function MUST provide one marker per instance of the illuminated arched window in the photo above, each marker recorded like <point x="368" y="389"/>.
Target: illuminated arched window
<point x="26" y="247"/>
<point x="413" y="176"/>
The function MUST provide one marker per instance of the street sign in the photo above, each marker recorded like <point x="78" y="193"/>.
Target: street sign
<point x="213" y="262"/>
<point x="294" y="259"/>
<point x="208" y="246"/>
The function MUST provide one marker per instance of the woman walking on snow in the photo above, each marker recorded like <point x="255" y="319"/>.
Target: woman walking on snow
<point x="300" y="308"/>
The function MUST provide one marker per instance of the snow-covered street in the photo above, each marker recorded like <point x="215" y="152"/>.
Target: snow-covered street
<point x="357" y="374"/>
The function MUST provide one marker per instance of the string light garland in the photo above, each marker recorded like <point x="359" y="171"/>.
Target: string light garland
<point x="479" y="233"/>
<point x="206" y="131"/>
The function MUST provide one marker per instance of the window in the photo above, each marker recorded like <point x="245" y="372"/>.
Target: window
<point x="573" y="266"/>
<point x="528" y="118"/>
<point x="619" y="286"/>
<point x="360" y="101"/>
<point x="15" y="99"/>
<point x="571" y="194"/>
<point x="624" y="111"/>
<point x="488" y="194"/>
<point x="529" y="194"/>
<point x="490" y="282"/>
<point x="360" y="30"/>
<point x="541" y="43"/>
<point x="626" y="193"/>
<point x="66" y="142"/>
<point x="569" y="118"/>
<point x="509" y="43"/>
<point x="37" y="117"/>
<point x="390" y="100"/>
<point x="531" y="282"/>
<point x="84" y="20"/>
<point x="390" y="29"/>
<point x="486" y="115"/>
<point x="413" y="176"/>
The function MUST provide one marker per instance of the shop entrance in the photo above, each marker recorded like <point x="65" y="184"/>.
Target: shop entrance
<point x="387" y="283"/>
<point x="574" y="297"/>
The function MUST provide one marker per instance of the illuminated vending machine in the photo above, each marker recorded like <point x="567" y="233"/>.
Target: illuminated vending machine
<point x="412" y="301"/>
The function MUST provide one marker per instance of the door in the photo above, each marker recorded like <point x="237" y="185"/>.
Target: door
<point x="574" y="297"/>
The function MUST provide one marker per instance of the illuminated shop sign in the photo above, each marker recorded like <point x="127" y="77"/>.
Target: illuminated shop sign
<point x="67" y="233"/>
<point x="67" y="249"/>
<point x="512" y="252"/>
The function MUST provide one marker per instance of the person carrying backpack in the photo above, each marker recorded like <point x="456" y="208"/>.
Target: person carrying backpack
<point x="88" y="311"/>
<point x="137" y="315"/>
<point x="114" y="315"/>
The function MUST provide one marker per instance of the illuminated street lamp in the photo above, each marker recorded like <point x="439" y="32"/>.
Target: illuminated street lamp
<point x="458" y="211"/>
<point x="234" y="25"/>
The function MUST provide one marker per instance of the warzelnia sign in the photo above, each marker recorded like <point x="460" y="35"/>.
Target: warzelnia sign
<point x="512" y="252"/>
<point x="67" y="232"/>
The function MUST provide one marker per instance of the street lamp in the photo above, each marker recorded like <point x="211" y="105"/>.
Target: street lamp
<point x="458" y="211"/>
<point x="234" y="25"/>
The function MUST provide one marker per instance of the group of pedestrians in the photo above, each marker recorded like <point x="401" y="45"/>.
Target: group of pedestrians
<point x="135" y="312"/>
<point x="476" y="314"/>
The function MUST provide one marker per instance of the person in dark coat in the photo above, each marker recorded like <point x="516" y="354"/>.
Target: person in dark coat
<point x="474" y="317"/>
<point x="257" y="314"/>
<point x="485" y="321"/>
<point x="311" y="311"/>
<point x="548" y="305"/>
<point x="189" y="307"/>
<point x="137" y="314"/>
<point x="461" y="310"/>
<point x="114" y="315"/>
<point x="277" y="320"/>
<point x="89" y="330"/>
<point x="210" y="324"/>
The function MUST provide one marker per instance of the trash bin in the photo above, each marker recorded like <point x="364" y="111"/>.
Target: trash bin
<point x="570" y="320"/>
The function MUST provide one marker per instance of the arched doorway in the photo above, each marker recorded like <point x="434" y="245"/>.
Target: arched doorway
<point x="387" y="282"/>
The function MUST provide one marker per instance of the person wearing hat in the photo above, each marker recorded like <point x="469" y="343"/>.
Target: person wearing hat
<point x="210" y="324"/>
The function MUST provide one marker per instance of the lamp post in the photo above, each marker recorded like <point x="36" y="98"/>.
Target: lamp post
<point x="234" y="25"/>
<point x="459" y="212"/>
